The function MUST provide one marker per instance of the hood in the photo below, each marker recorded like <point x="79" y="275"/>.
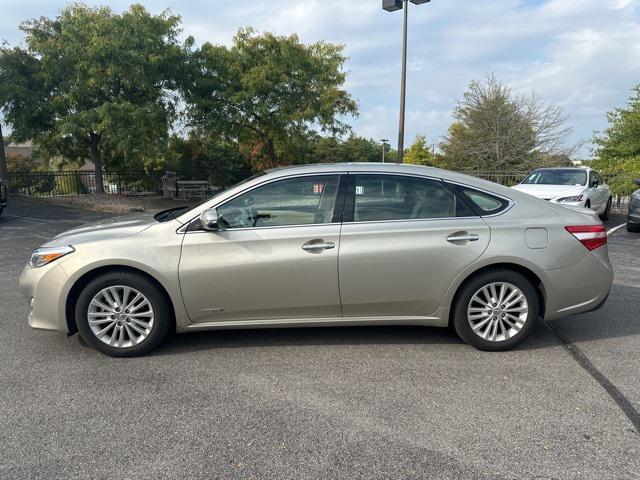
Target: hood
<point x="117" y="227"/>
<point x="550" y="191"/>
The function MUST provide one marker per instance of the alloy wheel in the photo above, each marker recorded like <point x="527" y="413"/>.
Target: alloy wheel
<point x="120" y="316"/>
<point x="497" y="311"/>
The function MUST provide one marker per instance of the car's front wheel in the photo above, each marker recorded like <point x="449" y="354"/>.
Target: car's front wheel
<point x="122" y="314"/>
<point x="496" y="310"/>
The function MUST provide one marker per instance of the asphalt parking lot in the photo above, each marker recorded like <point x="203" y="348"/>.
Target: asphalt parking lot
<point x="321" y="403"/>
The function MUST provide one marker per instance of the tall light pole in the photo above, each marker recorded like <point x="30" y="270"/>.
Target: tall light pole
<point x="385" y="142"/>
<point x="4" y="175"/>
<point x="392" y="6"/>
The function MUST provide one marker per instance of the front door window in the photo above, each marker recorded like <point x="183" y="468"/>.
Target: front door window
<point x="308" y="200"/>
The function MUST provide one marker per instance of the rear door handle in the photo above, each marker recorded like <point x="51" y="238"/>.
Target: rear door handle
<point x="315" y="245"/>
<point x="469" y="237"/>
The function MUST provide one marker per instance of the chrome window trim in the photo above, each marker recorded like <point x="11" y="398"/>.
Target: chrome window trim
<point x="507" y="199"/>
<point x="185" y="226"/>
<point x="244" y="229"/>
<point x="411" y="220"/>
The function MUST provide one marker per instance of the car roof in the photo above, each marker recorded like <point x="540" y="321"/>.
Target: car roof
<point x="360" y="167"/>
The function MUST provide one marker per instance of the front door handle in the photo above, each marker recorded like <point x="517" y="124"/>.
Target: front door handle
<point x="460" y="237"/>
<point x="318" y="245"/>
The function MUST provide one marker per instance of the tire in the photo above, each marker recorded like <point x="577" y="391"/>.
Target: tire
<point x="607" y="209"/>
<point x="139" y="334"/>
<point x="633" y="227"/>
<point x="509" y="331"/>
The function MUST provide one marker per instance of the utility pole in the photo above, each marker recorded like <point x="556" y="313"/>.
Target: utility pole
<point x="403" y="84"/>
<point x="392" y="6"/>
<point x="4" y="172"/>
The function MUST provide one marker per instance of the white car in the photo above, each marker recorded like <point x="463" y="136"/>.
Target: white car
<point x="578" y="187"/>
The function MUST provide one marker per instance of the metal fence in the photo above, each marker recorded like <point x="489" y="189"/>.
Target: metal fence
<point x="73" y="183"/>
<point x="508" y="179"/>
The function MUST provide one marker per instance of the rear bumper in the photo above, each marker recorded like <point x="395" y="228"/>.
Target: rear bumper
<point x="580" y="288"/>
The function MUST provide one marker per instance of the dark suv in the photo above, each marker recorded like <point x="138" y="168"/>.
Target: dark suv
<point x="633" y="219"/>
<point x="3" y="195"/>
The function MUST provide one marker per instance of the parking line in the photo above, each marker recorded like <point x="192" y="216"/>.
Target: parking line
<point x="614" y="229"/>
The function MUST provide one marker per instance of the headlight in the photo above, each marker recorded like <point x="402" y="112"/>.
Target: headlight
<point x="576" y="198"/>
<point x="45" y="255"/>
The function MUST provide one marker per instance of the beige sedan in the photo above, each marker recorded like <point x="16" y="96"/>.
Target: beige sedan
<point x="341" y="244"/>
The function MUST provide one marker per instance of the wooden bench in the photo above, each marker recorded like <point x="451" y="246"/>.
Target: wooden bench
<point x="192" y="188"/>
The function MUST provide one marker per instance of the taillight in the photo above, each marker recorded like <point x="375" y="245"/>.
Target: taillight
<point x="591" y="236"/>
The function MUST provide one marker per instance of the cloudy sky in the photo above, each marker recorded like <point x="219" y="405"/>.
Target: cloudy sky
<point x="581" y="54"/>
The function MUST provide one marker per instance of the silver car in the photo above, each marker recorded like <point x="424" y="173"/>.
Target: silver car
<point x="320" y="245"/>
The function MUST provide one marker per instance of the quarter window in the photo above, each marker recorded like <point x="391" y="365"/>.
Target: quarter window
<point x="294" y="201"/>
<point x="484" y="203"/>
<point x="392" y="197"/>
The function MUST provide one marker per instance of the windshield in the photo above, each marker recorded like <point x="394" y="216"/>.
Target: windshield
<point x="175" y="212"/>
<point x="557" y="177"/>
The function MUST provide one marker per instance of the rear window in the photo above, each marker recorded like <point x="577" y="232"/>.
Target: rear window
<point x="482" y="202"/>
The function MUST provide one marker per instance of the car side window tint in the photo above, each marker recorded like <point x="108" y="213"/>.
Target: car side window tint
<point x="395" y="197"/>
<point x="294" y="201"/>
<point x="484" y="203"/>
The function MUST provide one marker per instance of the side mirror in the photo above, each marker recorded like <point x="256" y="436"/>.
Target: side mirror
<point x="637" y="181"/>
<point x="209" y="220"/>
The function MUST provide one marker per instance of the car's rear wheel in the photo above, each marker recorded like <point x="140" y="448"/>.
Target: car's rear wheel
<point x="122" y="314"/>
<point x="633" y="227"/>
<point x="496" y="310"/>
<point x="607" y="209"/>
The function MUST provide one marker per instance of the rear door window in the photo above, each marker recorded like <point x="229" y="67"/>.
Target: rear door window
<point x="395" y="197"/>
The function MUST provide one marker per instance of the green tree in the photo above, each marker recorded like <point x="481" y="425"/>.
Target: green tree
<point x="496" y="130"/>
<point x="268" y="91"/>
<point x="360" y="149"/>
<point x="419" y="153"/>
<point x="352" y="149"/>
<point x="92" y="84"/>
<point x="617" y="149"/>
<point x="208" y="157"/>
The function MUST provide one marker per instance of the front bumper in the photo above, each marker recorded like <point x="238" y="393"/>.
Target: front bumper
<point x="580" y="288"/>
<point x="43" y="288"/>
